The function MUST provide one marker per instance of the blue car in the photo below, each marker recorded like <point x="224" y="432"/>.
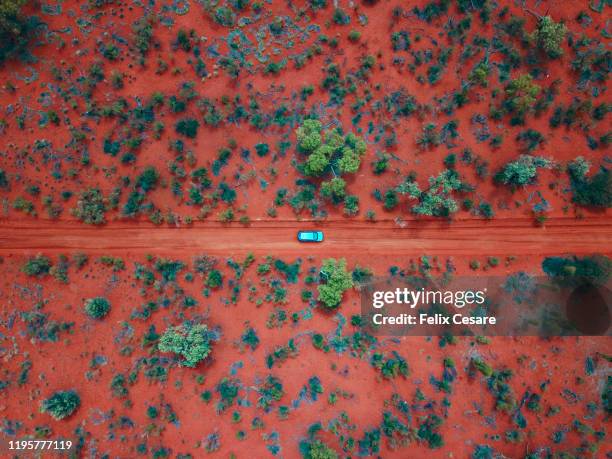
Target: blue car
<point x="310" y="236"/>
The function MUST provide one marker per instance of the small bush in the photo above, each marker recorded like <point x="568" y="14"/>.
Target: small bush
<point x="97" y="308"/>
<point x="521" y="172"/>
<point x="336" y="280"/>
<point x="91" y="207"/>
<point x="188" y="127"/>
<point x="15" y="29"/>
<point x="354" y="35"/>
<point x="37" y="266"/>
<point x="318" y="450"/>
<point x="593" y="191"/>
<point x="224" y="16"/>
<point x="187" y="340"/>
<point x="214" y="279"/>
<point x="61" y="404"/>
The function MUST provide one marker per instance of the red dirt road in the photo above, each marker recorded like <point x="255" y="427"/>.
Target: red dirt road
<point x="496" y="237"/>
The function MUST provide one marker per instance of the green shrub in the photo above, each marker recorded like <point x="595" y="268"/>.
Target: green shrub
<point x="15" y="29"/>
<point x="91" y="207"/>
<point x="336" y="280"/>
<point x="521" y="172"/>
<point x="148" y="179"/>
<point x="328" y="150"/>
<point x="262" y="149"/>
<point x="594" y="191"/>
<point x="351" y="205"/>
<point x="97" y="308"/>
<point x="334" y="190"/>
<point x="573" y="270"/>
<point x="187" y="127"/>
<point x="520" y="96"/>
<point x="37" y="266"/>
<point x="340" y="17"/>
<point x="548" y="37"/>
<point x="61" y="404"/>
<point x="354" y="35"/>
<point x="317" y="4"/>
<point x="4" y="182"/>
<point x="214" y="279"/>
<point x="190" y="341"/>
<point x="143" y="34"/>
<point x="224" y="16"/>
<point x="437" y="200"/>
<point x="318" y="450"/>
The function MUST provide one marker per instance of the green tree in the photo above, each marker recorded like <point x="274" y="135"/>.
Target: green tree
<point x="214" y="278"/>
<point x="37" y="266"/>
<point x="91" y="207"/>
<point x="336" y="280"/>
<point x="593" y="191"/>
<point x="523" y="171"/>
<point x="225" y="16"/>
<point x="329" y="151"/>
<point x="61" y="404"/>
<point x="521" y="95"/>
<point x="15" y="29"/>
<point x="334" y="190"/>
<point x="309" y="135"/>
<point x="351" y="205"/>
<point x="549" y="36"/>
<point x="319" y="450"/>
<point x="4" y="181"/>
<point x="574" y="270"/>
<point x="148" y="179"/>
<point x="437" y="200"/>
<point x="191" y="341"/>
<point x="97" y="308"/>
<point x="187" y="127"/>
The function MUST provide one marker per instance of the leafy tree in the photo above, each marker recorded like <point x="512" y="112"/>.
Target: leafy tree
<point x="351" y="205"/>
<point x="262" y="149"/>
<point x="97" y="308"/>
<point x="530" y="139"/>
<point x="91" y="207"/>
<point x="227" y="193"/>
<point x="4" y="182"/>
<point x="336" y="280"/>
<point x="437" y="200"/>
<point x="595" y="191"/>
<point x="191" y="341"/>
<point x="548" y="37"/>
<point x="148" y="179"/>
<point x="521" y="95"/>
<point x="214" y="278"/>
<point x="318" y="450"/>
<point x="187" y="127"/>
<point x="15" y="29"/>
<point x="523" y="171"/>
<point x="61" y="404"/>
<point x="330" y="150"/>
<point x="317" y="4"/>
<point x="143" y="33"/>
<point x="335" y="190"/>
<point x="574" y="270"/>
<point x="37" y="266"/>
<point x="225" y="16"/>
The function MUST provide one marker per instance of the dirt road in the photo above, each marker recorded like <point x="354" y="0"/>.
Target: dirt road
<point x="475" y="237"/>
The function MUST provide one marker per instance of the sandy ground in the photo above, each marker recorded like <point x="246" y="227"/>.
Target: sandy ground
<point x="497" y="237"/>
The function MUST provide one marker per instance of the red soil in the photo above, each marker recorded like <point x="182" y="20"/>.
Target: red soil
<point x="553" y="369"/>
